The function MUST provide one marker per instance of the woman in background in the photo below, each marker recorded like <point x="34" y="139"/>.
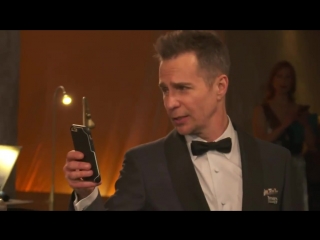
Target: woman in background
<point x="282" y="121"/>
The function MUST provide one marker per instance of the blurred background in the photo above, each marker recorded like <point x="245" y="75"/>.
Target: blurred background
<point x="117" y="73"/>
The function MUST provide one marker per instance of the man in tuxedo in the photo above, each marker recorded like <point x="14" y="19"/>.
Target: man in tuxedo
<point x="207" y="162"/>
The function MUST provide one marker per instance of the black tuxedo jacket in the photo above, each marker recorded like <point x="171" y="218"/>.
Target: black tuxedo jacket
<point x="160" y="176"/>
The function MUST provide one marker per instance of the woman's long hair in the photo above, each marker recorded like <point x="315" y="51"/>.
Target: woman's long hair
<point x="276" y="68"/>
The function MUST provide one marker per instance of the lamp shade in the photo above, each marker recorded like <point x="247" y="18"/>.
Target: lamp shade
<point x="8" y="157"/>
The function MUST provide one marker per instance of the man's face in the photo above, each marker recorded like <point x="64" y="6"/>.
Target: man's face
<point x="189" y="101"/>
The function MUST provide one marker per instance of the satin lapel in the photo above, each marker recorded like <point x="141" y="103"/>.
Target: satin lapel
<point x="183" y="174"/>
<point x="252" y="174"/>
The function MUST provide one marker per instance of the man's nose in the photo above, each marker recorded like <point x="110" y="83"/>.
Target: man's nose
<point x="171" y="102"/>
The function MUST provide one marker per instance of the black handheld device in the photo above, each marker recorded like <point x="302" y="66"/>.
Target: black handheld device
<point x="83" y="142"/>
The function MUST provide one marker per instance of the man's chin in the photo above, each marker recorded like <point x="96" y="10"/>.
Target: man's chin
<point x="183" y="130"/>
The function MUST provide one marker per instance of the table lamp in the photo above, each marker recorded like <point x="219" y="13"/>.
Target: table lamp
<point x="8" y="157"/>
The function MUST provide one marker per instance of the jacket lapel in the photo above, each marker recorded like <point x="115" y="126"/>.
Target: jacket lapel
<point x="252" y="174"/>
<point x="183" y="174"/>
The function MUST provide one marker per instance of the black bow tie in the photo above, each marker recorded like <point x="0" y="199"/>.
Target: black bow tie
<point x="199" y="148"/>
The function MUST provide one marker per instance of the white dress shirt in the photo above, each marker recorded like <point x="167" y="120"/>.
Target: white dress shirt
<point x="85" y="202"/>
<point x="220" y="176"/>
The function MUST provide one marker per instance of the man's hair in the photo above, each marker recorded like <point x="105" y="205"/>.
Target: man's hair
<point x="211" y="52"/>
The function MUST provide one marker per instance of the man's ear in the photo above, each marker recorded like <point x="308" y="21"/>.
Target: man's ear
<point x="222" y="83"/>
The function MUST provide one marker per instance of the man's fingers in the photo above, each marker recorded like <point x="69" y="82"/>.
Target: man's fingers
<point x="76" y="165"/>
<point x="75" y="170"/>
<point x="75" y="175"/>
<point x="74" y="155"/>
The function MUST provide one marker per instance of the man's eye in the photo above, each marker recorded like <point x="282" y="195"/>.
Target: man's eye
<point x="164" y="90"/>
<point x="182" y="88"/>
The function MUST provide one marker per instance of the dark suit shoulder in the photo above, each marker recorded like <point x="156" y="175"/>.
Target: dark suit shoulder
<point x="266" y="147"/>
<point x="148" y="147"/>
<point x="272" y="147"/>
<point x="273" y="154"/>
<point x="270" y="153"/>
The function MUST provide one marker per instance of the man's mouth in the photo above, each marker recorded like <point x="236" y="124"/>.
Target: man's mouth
<point x="180" y="120"/>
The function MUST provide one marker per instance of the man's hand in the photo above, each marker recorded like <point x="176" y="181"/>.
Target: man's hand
<point x="75" y="170"/>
